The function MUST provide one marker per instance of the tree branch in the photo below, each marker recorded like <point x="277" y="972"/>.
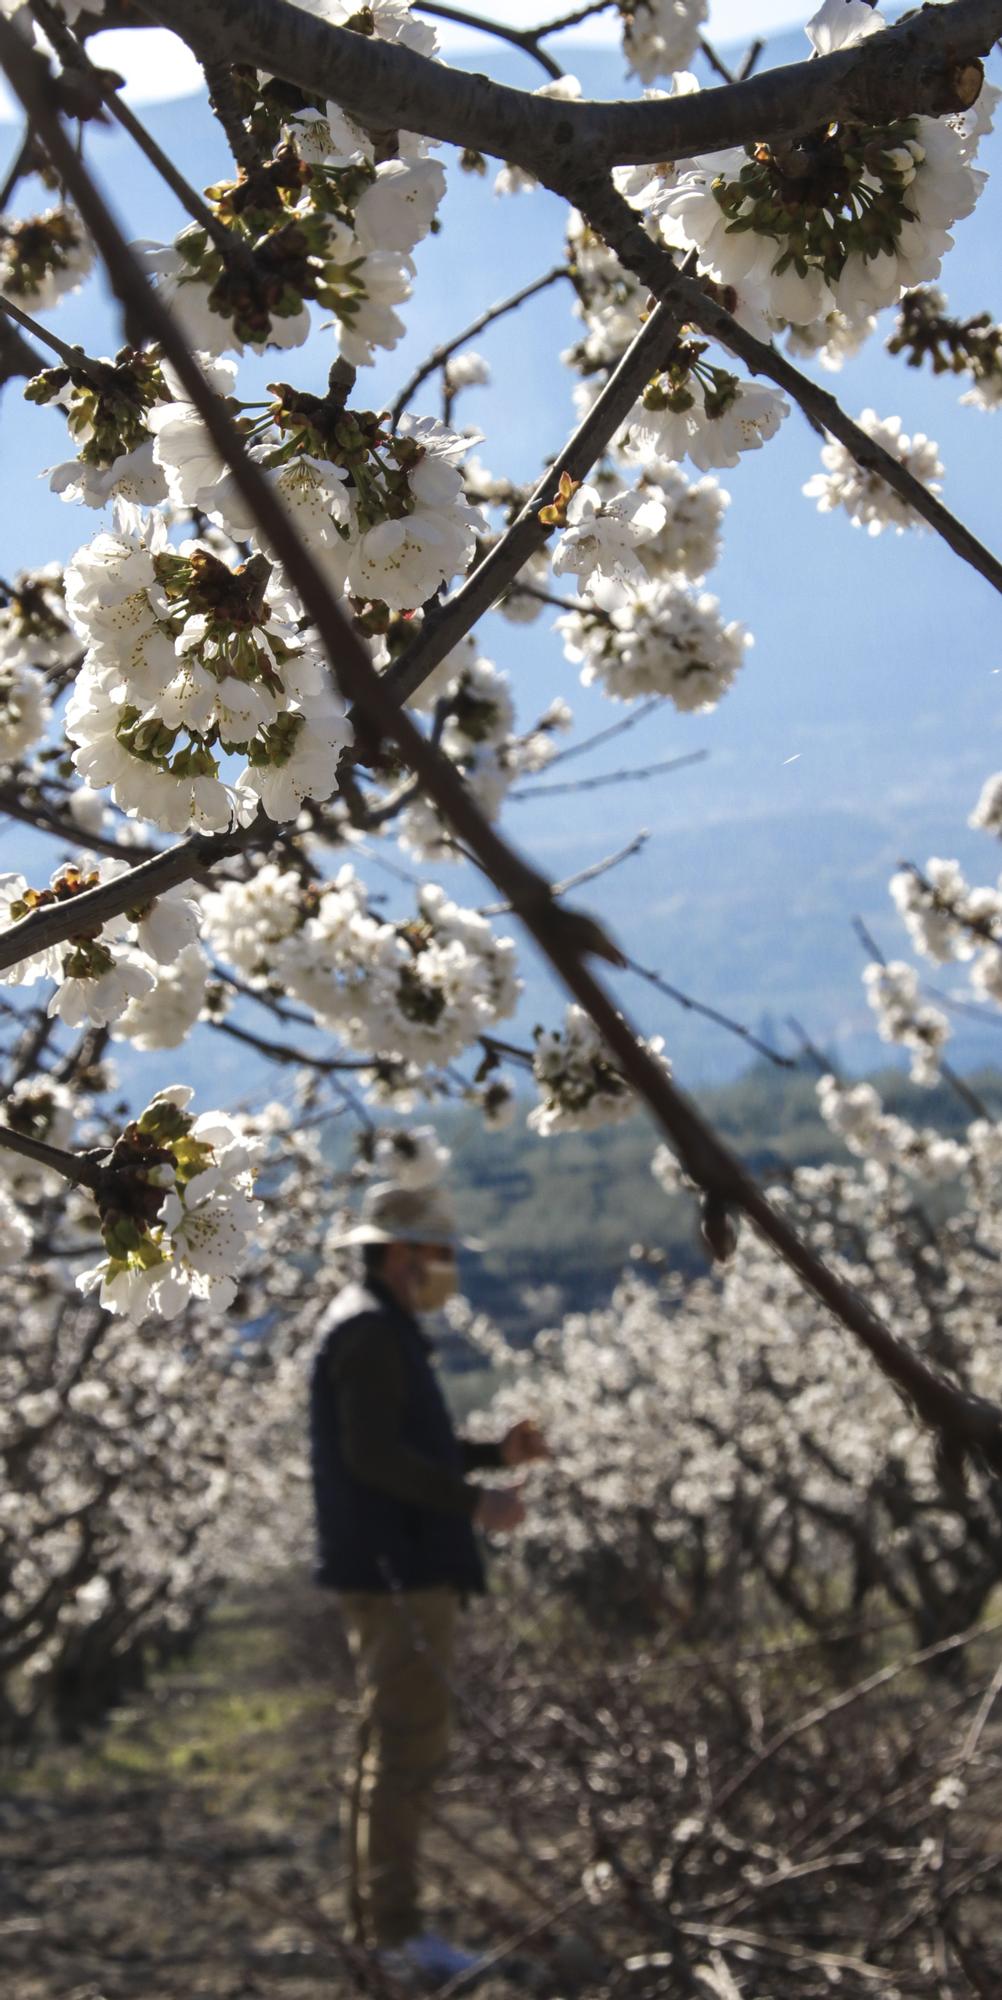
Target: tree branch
<point x="74" y="357"/>
<point x="142" y="884"/>
<point x="19" y="166"/>
<point x="73" y="54"/>
<point x="966" y="1423"/>
<point x="610" y="777"/>
<point x="929" y="62"/>
<point x="691" y="1006"/>
<point x="72" y="1166"/>
<point x="443" y="628"/>
<point x="283" y="1052"/>
<point x="45" y="819"/>
<point x="620" y="728"/>
<point x="618" y="225"/>
<point x="441" y="354"/>
<point x="589" y="874"/>
<point x="526" y="39"/>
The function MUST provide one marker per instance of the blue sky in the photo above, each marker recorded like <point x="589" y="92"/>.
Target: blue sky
<point x="866" y="716"/>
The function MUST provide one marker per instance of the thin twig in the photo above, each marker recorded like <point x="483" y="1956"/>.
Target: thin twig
<point x="441" y="354"/>
<point x="640" y="714"/>
<point x="692" y="1006"/>
<point x="525" y="39"/>
<point x="611" y="777"/>
<point x="45" y="819"/>
<point x="284" y="1052"/>
<point x="589" y="874"/>
<point x="74" y="357"/>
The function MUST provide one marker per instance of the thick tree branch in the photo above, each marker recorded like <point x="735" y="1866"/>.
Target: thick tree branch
<point x="72" y="1166"/>
<point x="617" y="223"/>
<point x="965" y="1423"/>
<point x="930" y="62"/>
<point x="142" y="884"/>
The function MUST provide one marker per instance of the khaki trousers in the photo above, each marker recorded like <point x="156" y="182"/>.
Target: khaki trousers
<point x="402" y="1646"/>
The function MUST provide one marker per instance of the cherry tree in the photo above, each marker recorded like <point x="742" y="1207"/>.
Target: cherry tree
<point x="261" y="670"/>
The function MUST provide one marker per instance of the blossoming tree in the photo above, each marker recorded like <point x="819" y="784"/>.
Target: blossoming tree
<point x="265" y="651"/>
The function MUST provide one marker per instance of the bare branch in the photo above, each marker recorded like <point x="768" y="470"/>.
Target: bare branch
<point x="46" y="819"/>
<point x="589" y="874"/>
<point x="440" y="355"/>
<point x="691" y="1006"/>
<point x="640" y="714"/>
<point x="526" y="39"/>
<point x="72" y="1166"/>
<point x="611" y="777"/>
<point x="284" y="1052"/>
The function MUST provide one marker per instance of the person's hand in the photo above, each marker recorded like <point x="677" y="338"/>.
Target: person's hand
<point x="524" y="1444"/>
<point x="499" y="1509"/>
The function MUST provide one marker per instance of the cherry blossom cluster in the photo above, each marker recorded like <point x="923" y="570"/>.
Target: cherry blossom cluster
<point x="695" y="408"/>
<point x="925" y="331"/>
<point x="893" y="992"/>
<point x="479" y="737"/>
<point x="657" y="639"/>
<point x="949" y="920"/>
<point x="855" y="1113"/>
<point x="318" y="223"/>
<point x="107" y="405"/>
<point x="579" y="1085"/>
<point x="415" y="991"/>
<point x="382" y="511"/>
<point x="861" y="491"/>
<point x="107" y="973"/>
<point x="843" y="220"/>
<point x="660" y="37"/>
<point x="177" y="1216"/>
<point x="43" y="257"/>
<point x="34" y="629"/>
<point x="188" y="662"/>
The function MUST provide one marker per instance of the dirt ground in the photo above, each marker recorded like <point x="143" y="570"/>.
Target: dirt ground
<point x="192" y="1847"/>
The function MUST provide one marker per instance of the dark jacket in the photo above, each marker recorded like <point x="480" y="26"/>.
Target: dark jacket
<point x="392" y="1505"/>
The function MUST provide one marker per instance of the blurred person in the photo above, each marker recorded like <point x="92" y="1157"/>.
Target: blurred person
<point x="396" y="1528"/>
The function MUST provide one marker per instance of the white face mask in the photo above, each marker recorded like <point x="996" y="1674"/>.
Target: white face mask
<point x="435" y="1283"/>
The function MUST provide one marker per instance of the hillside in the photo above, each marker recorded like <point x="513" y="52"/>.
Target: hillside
<point x="559" y="1215"/>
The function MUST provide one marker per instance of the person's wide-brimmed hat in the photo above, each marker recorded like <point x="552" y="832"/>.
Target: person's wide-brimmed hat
<point x="394" y="1214"/>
